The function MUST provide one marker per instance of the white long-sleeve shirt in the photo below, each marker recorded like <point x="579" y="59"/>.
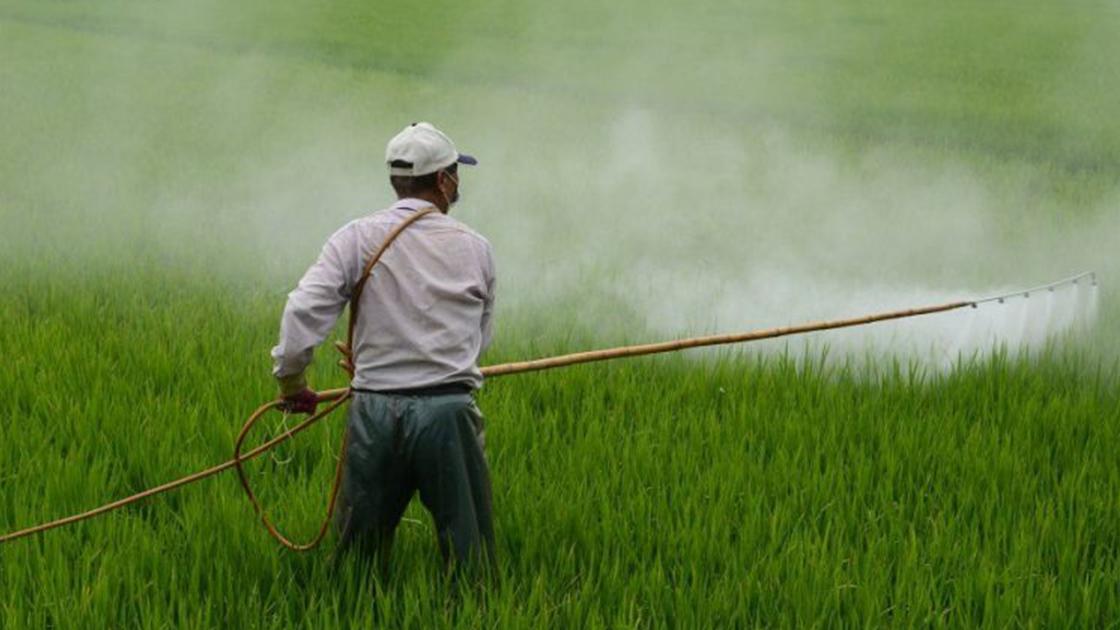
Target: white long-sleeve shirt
<point x="425" y="312"/>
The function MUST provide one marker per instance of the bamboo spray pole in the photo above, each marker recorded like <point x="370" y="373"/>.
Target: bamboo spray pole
<point x="627" y="352"/>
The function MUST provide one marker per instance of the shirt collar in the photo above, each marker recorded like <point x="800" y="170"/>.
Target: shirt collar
<point x="412" y="203"/>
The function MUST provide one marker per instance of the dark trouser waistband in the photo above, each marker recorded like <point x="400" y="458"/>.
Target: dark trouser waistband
<point x="446" y="389"/>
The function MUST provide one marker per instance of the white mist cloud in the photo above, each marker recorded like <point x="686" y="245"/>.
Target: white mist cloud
<point x="662" y="191"/>
<point x="700" y="229"/>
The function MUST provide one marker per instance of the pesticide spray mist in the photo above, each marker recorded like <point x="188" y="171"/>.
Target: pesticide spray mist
<point x="651" y="191"/>
<point x="771" y="233"/>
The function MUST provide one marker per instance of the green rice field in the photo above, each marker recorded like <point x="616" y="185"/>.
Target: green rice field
<point x="648" y="170"/>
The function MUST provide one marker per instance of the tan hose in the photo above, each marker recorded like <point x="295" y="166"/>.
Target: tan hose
<point x="337" y="397"/>
<point x="347" y="364"/>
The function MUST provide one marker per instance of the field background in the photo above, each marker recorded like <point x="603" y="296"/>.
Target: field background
<point x="169" y="169"/>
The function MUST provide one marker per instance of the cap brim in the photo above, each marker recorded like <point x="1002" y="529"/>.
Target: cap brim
<point x="467" y="159"/>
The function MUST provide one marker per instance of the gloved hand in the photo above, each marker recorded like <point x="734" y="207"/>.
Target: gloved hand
<point x="297" y="396"/>
<point x="303" y="401"/>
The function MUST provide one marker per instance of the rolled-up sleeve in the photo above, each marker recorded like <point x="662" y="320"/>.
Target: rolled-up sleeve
<point x="312" y="310"/>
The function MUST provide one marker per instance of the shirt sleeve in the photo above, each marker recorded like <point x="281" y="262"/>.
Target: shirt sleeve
<point x="313" y="309"/>
<point x="488" y="305"/>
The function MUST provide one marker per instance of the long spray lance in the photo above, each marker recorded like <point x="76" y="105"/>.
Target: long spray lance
<point x="337" y="397"/>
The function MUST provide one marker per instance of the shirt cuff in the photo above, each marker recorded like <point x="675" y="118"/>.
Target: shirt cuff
<point x="292" y="384"/>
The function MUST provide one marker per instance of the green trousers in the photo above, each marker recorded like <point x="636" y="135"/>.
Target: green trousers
<point x="399" y="445"/>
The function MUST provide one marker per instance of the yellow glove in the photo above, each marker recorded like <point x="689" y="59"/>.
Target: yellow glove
<point x="291" y="384"/>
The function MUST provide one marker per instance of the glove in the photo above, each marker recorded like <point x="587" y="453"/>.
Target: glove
<point x="303" y="401"/>
<point x="298" y="398"/>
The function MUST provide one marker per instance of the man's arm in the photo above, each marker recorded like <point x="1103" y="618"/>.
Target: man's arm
<point x="488" y="306"/>
<point x="312" y="310"/>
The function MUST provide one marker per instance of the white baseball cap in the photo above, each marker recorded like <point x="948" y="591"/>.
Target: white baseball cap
<point x="425" y="148"/>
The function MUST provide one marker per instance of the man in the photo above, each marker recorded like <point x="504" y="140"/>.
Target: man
<point x="423" y="320"/>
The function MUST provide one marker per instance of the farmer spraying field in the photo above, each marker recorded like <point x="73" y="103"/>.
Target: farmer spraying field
<point x="413" y="343"/>
<point x="417" y="332"/>
<point x="837" y="186"/>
